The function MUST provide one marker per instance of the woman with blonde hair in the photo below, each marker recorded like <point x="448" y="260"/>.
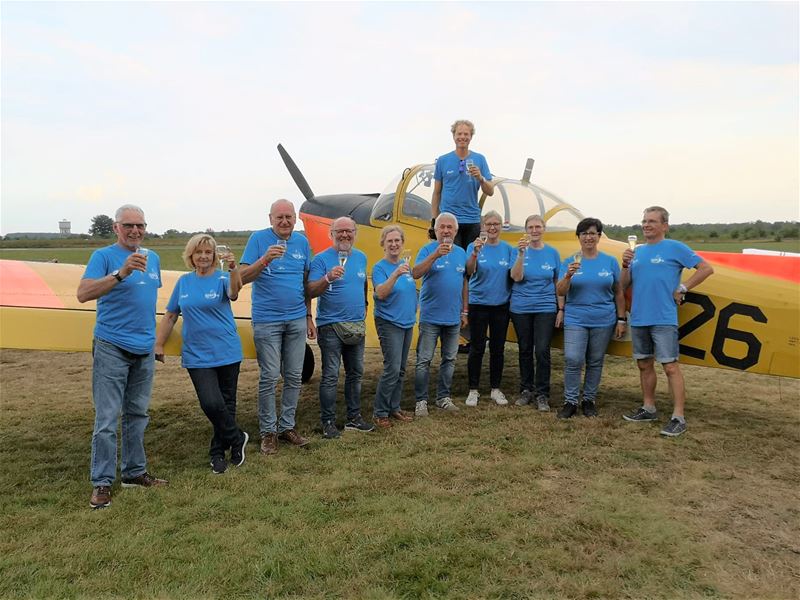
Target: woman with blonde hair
<point x="395" y="294"/>
<point x="212" y="350"/>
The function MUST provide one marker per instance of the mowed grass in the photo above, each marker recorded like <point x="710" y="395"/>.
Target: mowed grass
<point x="492" y="502"/>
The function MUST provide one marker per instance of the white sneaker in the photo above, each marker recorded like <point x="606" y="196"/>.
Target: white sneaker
<point x="446" y="403"/>
<point x="421" y="409"/>
<point x="472" y="398"/>
<point x="499" y="397"/>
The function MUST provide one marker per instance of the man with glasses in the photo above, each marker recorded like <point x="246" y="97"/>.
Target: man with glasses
<point x="338" y="276"/>
<point x="458" y="177"/>
<point x="124" y="279"/>
<point x="654" y="269"/>
<point x="277" y="260"/>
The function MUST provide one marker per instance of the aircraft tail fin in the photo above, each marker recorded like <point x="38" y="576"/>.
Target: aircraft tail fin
<point x="299" y="180"/>
<point x="526" y="176"/>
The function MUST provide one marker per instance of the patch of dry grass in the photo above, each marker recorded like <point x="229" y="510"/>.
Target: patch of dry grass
<point x="500" y="502"/>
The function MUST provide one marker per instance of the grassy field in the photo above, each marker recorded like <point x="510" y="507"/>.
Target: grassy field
<point x="492" y="502"/>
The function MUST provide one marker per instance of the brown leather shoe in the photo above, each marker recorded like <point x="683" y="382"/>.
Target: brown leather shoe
<point x="402" y="416"/>
<point x="269" y="443"/>
<point x="101" y="497"/>
<point x="143" y="480"/>
<point x="382" y="422"/>
<point x="294" y="438"/>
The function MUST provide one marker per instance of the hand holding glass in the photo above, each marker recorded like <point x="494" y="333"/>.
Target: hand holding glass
<point x="632" y="242"/>
<point x="222" y="255"/>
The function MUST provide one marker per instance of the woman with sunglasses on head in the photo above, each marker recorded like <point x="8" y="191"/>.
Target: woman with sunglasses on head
<point x="489" y="260"/>
<point x="212" y="350"/>
<point x="594" y="311"/>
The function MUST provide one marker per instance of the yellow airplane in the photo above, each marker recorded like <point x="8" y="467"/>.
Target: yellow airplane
<point x="745" y="317"/>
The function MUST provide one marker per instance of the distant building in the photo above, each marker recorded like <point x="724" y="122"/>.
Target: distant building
<point x="64" y="227"/>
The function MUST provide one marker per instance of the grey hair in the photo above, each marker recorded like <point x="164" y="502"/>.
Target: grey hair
<point x="123" y="208"/>
<point x="469" y="124"/>
<point x="389" y="229"/>
<point x="534" y="218"/>
<point x="445" y="215"/>
<point x="659" y="209"/>
<point x="492" y="213"/>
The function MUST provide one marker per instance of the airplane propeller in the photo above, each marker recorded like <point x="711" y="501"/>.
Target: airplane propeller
<point x="299" y="180"/>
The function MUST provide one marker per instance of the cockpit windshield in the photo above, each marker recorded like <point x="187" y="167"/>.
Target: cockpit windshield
<point x="512" y="198"/>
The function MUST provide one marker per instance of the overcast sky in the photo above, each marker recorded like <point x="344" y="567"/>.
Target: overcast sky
<point x="178" y="107"/>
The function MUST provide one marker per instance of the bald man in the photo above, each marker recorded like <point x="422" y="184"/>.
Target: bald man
<point x="276" y="260"/>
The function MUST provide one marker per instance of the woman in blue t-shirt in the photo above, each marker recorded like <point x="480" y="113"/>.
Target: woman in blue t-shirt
<point x="395" y="294"/>
<point x="535" y="311"/>
<point x="594" y="311"/>
<point x="212" y="350"/>
<point x="489" y="260"/>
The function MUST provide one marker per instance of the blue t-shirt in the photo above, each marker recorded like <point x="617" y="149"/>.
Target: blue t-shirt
<point x="490" y="284"/>
<point x="400" y="306"/>
<point x="590" y="300"/>
<point x="459" y="188"/>
<point x="344" y="300"/>
<point x="209" y="332"/>
<point x="126" y="316"/>
<point x="278" y="292"/>
<point x="536" y="293"/>
<point x="656" y="274"/>
<point x="440" y="297"/>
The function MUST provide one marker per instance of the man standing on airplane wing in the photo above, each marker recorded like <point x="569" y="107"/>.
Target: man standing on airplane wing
<point x="458" y="177"/>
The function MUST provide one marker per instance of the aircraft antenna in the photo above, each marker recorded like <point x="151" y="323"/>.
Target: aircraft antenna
<point x="526" y="176"/>
<point x="299" y="180"/>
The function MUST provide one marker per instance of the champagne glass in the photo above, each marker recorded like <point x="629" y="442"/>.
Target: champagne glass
<point x="469" y="164"/>
<point x="405" y="258"/>
<point x="527" y="239"/>
<point x="448" y="241"/>
<point x="222" y="254"/>
<point x="144" y="252"/>
<point x="632" y="242"/>
<point x="283" y="244"/>
<point x="342" y="257"/>
<point x="578" y="258"/>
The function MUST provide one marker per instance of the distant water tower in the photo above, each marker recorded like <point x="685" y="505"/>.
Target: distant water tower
<point x="64" y="228"/>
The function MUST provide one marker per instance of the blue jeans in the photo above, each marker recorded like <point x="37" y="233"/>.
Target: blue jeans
<point x="584" y="344"/>
<point x="534" y="334"/>
<point x="395" y="343"/>
<point x="121" y="385"/>
<point x="333" y="353"/>
<point x="426" y="346"/>
<point x="280" y="348"/>
<point x="216" y="391"/>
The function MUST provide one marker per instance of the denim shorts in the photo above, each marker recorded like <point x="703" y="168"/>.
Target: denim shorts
<point x="660" y="341"/>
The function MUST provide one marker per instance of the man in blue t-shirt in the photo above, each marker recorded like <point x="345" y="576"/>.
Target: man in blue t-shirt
<point x="124" y="279"/>
<point x="654" y="269"/>
<point x="338" y="276"/>
<point x="276" y="260"/>
<point x="442" y="311"/>
<point x="458" y="176"/>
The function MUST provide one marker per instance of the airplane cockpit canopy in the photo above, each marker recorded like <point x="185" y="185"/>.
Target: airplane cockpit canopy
<point x="515" y="200"/>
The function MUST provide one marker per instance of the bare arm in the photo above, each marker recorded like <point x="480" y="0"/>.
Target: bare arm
<point x="435" y="199"/>
<point x="487" y="187"/>
<point x="465" y="303"/>
<point x="625" y="275"/>
<point x="702" y="272"/>
<point x="518" y="269"/>
<point x="163" y="332"/>
<point x="423" y="267"/>
<point x="311" y="328"/>
<point x="92" y="289"/>
<point x="383" y="290"/>
<point x="472" y="259"/>
<point x="235" y="284"/>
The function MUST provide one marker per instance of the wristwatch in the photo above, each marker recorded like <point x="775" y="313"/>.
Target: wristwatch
<point x="116" y="275"/>
<point x="682" y="289"/>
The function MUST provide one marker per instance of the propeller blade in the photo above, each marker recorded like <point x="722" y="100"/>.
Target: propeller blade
<point x="299" y="180"/>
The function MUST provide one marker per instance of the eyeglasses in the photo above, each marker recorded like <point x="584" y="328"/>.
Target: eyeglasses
<point x="495" y="225"/>
<point x="130" y="226"/>
<point x="588" y="233"/>
<point x="340" y="231"/>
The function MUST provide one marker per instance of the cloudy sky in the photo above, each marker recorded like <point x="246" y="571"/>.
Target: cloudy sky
<point x="178" y="107"/>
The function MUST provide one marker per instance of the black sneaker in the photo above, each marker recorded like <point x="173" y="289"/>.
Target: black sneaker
<point x="329" y="430"/>
<point x="641" y="416"/>
<point x="589" y="408"/>
<point x="567" y="411"/>
<point x="674" y="428"/>
<point x="237" y="453"/>
<point x="218" y="465"/>
<point x="358" y="424"/>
